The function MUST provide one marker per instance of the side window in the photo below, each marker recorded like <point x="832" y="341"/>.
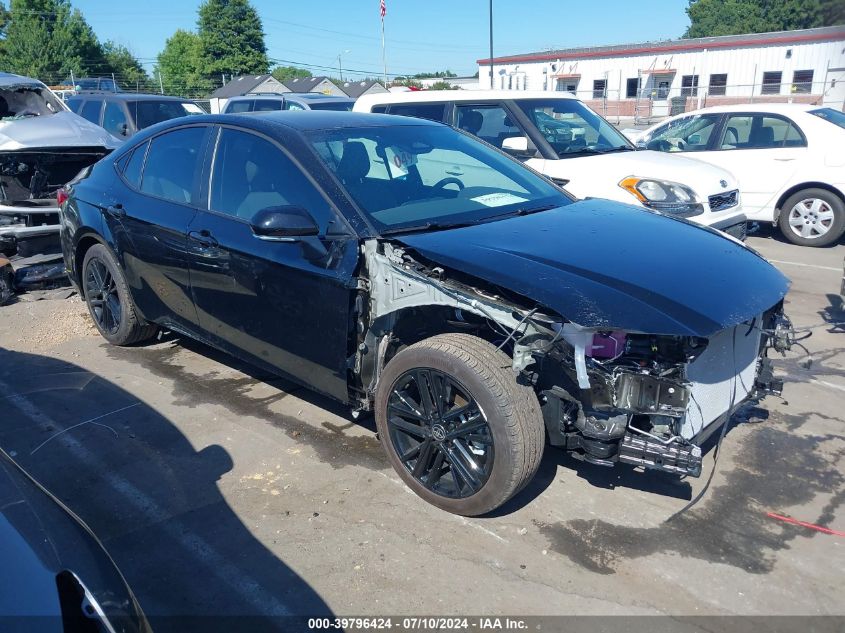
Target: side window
<point x="114" y="119"/>
<point x="74" y="104"/>
<point x="239" y="106"/>
<point x="250" y="174"/>
<point x="292" y="105"/>
<point x="431" y="111"/>
<point x="132" y="167"/>
<point x="172" y="163"/>
<point x="490" y="123"/>
<point x="267" y="105"/>
<point x="91" y="110"/>
<point x="379" y="109"/>
<point x="760" y="132"/>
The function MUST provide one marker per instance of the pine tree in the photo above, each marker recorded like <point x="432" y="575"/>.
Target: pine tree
<point x="231" y="39"/>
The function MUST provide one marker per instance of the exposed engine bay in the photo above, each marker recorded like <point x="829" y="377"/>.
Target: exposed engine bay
<point x="608" y="396"/>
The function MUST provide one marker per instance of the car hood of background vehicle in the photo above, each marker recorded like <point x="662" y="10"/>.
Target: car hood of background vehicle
<point x="605" y="265"/>
<point x="600" y="175"/>
<point x="63" y="129"/>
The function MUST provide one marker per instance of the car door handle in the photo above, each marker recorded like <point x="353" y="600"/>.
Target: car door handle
<point x="116" y="211"/>
<point x="204" y="237"/>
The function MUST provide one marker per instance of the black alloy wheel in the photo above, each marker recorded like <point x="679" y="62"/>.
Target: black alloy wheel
<point x="103" y="298"/>
<point x="440" y="433"/>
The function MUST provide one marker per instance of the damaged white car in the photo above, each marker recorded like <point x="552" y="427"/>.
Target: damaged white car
<point x="43" y="145"/>
<point x="405" y="268"/>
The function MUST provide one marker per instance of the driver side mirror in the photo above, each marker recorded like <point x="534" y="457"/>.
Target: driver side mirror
<point x="517" y="145"/>
<point x="284" y="223"/>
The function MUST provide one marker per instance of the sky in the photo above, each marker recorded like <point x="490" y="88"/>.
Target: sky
<point x="421" y="35"/>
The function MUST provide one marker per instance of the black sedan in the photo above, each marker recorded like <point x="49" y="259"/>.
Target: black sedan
<point x="55" y="574"/>
<point x="406" y="268"/>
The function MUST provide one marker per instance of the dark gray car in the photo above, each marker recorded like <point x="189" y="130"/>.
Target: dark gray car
<point x="124" y="114"/>
<point x="287" y="101"/>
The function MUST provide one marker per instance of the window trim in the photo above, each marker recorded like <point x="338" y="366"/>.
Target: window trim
<point x="208" y="174"/>
<point x="795" y="83"/>
<point x="637" y="88"/>
<point x="772" y="115"/>
<point x="722" y="87"/>
<point x="602" y="90"/>
<point x="692" y="89"/>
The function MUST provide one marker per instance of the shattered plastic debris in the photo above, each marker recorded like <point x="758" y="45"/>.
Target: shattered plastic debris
<point x="41" y="277"/>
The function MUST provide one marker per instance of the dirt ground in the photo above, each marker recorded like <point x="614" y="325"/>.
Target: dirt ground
<point x="220" y="490"/>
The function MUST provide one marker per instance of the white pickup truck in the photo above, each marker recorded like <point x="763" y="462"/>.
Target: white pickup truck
<point x="565" y="140"/>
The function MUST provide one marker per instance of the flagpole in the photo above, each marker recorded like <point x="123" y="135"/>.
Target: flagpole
<point x="383" y="52"/>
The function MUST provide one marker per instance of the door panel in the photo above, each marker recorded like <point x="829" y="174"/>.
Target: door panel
<point x="150" y="225"/>
<point x="763" y="151"/>
<point x="282" y="304"/>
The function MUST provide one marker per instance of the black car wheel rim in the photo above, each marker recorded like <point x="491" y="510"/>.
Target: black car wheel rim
<point x="439" y="433"/>
<point x="101" y="291"/>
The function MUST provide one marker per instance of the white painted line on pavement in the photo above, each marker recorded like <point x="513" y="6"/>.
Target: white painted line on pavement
<point x="828" y="384"/>
<point x="778" y="261"/>
<point x="247" y="587"/>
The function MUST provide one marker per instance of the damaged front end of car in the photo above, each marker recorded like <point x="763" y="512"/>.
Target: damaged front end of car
<point x="607" y="395"/>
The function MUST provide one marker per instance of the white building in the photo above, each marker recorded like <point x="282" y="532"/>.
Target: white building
<point x="658" y="78"/>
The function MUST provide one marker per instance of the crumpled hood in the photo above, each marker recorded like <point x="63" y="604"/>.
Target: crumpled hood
<point x="599" y="176"/>
<point x="63" y="129"/>
<point x="606" y="265"/>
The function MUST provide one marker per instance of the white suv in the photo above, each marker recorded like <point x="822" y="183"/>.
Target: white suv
<point x="562" y="138"/>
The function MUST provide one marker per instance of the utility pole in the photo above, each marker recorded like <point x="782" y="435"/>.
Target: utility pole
<point x="491" y="45"/>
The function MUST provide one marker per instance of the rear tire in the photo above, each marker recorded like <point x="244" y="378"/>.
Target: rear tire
<point x="109" y="301"/>
<point x="812" y="217"/>
<point x="481" y="445"/>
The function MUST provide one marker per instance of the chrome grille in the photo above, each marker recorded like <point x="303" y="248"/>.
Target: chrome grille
<point x="722" y="201"/>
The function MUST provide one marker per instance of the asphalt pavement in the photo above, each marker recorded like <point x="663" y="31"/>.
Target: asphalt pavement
<point x="220" y="490"/>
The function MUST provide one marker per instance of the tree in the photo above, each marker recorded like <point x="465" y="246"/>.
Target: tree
<point x="442" y="85"/>
<point x="179" y="65"/>
<point x="231" y="39"/>
<point x="283" y="73"/>
<point x="710" y="18"/>
<point x="127" y="69"/>
<point x="49" y="39"/>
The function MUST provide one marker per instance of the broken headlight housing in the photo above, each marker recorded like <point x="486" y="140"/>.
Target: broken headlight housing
<point x="663" y="195"/>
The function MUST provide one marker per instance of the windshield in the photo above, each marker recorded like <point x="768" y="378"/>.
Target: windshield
<point x="419" y="177"/>
<point x="149" y="113"/>
<point x="571" y="128"/>
<point x="829" y="114"/>
<point x="687" y="134"/>
<point x="338" y="106"/>
<point x="27" y="101"/>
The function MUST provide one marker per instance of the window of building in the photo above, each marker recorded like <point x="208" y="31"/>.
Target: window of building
<point x="172" y="164"/>
<point x="802" y="81"/>
<point x="718" y="84"/>
<point x="771" y="82"/>
<point x="632" y="87"/>
<point x="566" y="85"/>
<point x="689" y="86"/>
<point x="599" y="88"/>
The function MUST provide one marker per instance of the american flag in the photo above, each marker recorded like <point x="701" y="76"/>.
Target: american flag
<point x="383" y="9"/>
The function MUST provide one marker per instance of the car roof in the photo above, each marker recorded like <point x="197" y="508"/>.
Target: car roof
<point x="130" y="96"/>
<point x="782" y="108"/>
<point x="10" y="79"/>
<point x="292" y="96"/>
<point x="330" y="119"/>
<point x="426" y="96"/>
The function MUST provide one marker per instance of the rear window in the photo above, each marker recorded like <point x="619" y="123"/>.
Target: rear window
<point x="336" y="106"/>
<point x="149" y="113"/>
<point x="829" y="114"/>
<point x="430" y="111"/>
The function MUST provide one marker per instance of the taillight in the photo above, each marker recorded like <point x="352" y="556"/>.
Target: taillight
<point x="61" y="197"/>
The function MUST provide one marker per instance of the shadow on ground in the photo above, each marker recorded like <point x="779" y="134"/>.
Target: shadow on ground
<point x="151" y="497"/>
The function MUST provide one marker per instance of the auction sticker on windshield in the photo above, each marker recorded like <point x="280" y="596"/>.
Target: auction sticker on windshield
<point x="498" y="199"/>
<point x="399" y="160"/>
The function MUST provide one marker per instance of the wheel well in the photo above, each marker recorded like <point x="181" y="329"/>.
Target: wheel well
<point x="85" y="242"/>
<point x="806" y="185"/>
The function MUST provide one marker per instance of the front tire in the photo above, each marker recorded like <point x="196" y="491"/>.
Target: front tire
<point x="109" y="301"/>
<point x="812" y="217"/>
<point x="457" y="428"/>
